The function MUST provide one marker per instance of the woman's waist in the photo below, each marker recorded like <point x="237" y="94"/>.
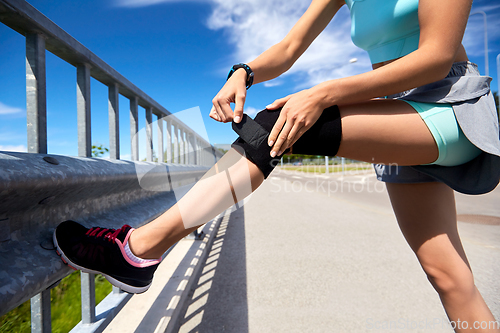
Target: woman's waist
<point x="462" y="83"/>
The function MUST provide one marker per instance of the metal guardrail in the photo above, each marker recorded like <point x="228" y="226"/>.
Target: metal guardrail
<point x="37" y="191"/>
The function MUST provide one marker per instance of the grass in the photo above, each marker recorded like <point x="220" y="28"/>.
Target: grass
<point x="65" y="310"/>
<point x="321" y="168"/>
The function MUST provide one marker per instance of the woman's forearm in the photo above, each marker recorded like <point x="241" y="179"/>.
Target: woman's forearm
<point x="414" y="70"/>
<point x="271" y="63"/>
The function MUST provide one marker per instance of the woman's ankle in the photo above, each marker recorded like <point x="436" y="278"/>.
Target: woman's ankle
<point x="137" y="247"/>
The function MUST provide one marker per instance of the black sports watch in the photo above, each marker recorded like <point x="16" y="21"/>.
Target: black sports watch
<point x="247" y="69"/>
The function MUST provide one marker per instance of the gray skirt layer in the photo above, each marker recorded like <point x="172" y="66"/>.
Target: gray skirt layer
<point x="469" y="94"/>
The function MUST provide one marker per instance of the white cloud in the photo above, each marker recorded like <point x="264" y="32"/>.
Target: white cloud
<point x="255" y="25"/>
<point x="273" y="83"/>
<point x="5" y="109"/>
<point x="252" y="26"/>
<point x="251" y="111"/>
<point x="474" y="34"/>
<point x="18" y="148"/>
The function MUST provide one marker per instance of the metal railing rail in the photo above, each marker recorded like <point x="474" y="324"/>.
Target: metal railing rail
<point x="38" y="191"/>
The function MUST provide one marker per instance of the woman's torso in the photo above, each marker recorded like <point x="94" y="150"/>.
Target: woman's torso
<point x="387" y="29"/>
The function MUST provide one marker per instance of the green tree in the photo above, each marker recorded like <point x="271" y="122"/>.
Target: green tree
<point x="98" y="151"/>
<point x="222" y="150"/>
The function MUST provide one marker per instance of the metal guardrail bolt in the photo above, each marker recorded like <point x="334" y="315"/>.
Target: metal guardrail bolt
<point x="47" y="244"/>
<point x="51" y="160"/>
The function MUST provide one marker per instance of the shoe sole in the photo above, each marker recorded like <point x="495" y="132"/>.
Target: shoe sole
<point x="117" y="283"/>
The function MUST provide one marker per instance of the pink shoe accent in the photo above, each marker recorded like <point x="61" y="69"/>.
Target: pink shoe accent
<point x="150" y="262"/>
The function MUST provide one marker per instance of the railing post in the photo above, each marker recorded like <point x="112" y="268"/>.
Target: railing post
<point x="134" y="128"/>
<point x="176" y="145"/>
<point x="149" y="134"/>
<point x="88" y="297"/>
<point x="169" y="142"/>
<point x="114" y="129"/>
<point x="161" y="157"/>
<point x="208" y="157"/>
<point x="186" y="147"/>
<point x="181" y="150"/>
<point x="189" y="147"/>
<point x="83" y="110"/>
<point x="36" y="94"/>
<point x="40" y="313"/>
<point x="214" y="154"/>
<point x="196" y="151"/>
<point x="182" y="146"/>
<point x="201" y="152"/>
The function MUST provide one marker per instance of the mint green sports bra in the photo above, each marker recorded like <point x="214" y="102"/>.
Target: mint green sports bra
<point x="387" y="29"/>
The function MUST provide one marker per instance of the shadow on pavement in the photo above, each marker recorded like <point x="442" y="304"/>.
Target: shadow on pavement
<point x="218" y="301"/>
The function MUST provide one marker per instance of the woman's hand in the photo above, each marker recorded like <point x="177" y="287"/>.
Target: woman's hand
<point x="234" y="91"/>
<point x="299" y="112"/>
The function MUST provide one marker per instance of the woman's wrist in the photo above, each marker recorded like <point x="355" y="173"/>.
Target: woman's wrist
<point x="240" y="75"/>
<point x="248" y="71"/>
<point x="326" y="93"/>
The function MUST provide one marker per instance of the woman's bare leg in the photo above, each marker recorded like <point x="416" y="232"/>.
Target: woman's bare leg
<point x="229" y="181"/>
<point x="376" y="131"/>
<point x="386" y="131"/>
<point x="392" y="132"/>
<point x="427" y="217"/>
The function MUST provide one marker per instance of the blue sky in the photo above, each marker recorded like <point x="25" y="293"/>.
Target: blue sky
<point x="179" y="53"/>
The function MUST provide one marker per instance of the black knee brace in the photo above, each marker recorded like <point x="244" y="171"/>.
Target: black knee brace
<point x="323" y="138"/>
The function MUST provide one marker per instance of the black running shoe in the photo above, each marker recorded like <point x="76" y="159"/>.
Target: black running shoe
<point x="101" y="251"/>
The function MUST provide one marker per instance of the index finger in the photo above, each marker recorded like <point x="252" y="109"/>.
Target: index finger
<point x="278" y="126"/>
<point x="238" y="106"/>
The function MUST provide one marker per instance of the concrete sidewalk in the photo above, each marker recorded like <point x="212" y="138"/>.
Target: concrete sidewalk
<point x="298" y="260"/>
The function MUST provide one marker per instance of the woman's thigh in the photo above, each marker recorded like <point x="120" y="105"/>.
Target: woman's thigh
<point x="386" y="131"/>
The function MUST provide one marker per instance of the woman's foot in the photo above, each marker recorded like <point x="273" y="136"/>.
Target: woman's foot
<point x="104" y="251"/>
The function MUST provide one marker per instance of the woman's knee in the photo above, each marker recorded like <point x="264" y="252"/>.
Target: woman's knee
<point x="447" y="279"/>
<point x="323" y="138"/>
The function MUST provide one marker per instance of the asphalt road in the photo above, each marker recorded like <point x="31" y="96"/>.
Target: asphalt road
<point x="323" y="253"/>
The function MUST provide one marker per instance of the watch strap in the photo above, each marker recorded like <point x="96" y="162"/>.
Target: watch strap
<point x="247" y="69"/>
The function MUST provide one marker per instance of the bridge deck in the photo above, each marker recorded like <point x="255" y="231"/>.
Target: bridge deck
<point x="298" y="259"/>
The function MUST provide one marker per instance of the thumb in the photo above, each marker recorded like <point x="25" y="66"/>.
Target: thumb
<point x="238" y="107"/>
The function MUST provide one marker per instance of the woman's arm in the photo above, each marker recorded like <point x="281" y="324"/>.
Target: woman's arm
<point x="276" y="60"/>
<point x="442" y="25"/>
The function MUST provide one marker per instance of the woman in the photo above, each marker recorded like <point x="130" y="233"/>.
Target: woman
<point x="438" y="117"/>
